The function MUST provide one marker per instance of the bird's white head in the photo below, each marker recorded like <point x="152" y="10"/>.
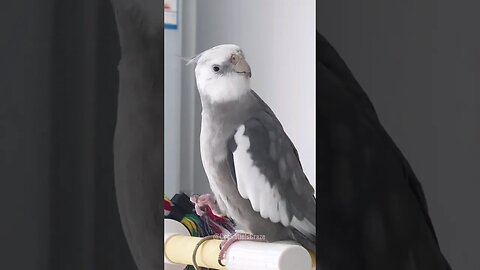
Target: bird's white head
<point x="222" y="73"/>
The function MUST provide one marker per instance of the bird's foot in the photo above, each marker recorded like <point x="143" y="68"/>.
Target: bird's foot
<point x="230" y="239"/>
<point x="203" y="203"/>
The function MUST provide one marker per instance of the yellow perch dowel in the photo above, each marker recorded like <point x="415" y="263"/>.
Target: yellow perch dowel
<point x="179" y="249"/>
<point x="314" y="260"/>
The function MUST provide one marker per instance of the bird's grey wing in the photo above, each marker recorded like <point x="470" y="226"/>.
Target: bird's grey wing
<point x="269" y="111"/>
<point x="267" y="171"/>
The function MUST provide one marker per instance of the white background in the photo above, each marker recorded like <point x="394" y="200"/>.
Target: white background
<point x="278" y="38"/>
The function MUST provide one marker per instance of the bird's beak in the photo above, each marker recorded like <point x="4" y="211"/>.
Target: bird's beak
<point x="240" y="65"/>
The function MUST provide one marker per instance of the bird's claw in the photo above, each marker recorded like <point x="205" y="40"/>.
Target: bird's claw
<point x="203" y="202"/>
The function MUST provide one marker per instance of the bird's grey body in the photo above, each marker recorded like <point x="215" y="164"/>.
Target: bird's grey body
<point x="252" y="166"/>
<point x="214" y="137"/>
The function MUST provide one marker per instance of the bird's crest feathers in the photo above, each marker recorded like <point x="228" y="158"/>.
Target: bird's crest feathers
<point x="192" y="60"/>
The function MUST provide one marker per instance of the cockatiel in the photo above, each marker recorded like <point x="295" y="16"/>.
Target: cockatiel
<point x="252" y="166"/>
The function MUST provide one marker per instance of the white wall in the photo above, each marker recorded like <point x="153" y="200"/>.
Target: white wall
<point x="278" y="38"/>
<point x="172" y="51"/>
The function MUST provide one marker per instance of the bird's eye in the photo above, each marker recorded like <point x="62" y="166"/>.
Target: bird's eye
<point x="216" y="68"/>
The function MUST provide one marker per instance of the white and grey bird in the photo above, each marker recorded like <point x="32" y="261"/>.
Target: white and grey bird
<point x="252" y="166"/>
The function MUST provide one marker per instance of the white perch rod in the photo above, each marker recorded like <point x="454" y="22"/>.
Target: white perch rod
<point x="241" y="255"/>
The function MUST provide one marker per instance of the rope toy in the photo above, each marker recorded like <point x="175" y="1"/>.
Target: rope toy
<point x="208" y="226"/>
